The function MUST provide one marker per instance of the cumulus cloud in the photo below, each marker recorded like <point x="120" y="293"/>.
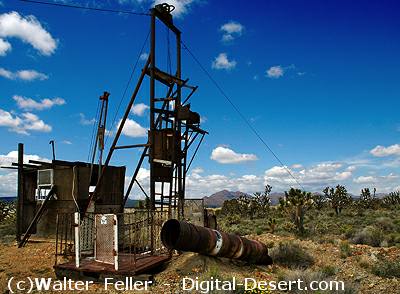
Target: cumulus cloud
<point x="30" y="104"/>
<point x="139" y="109"/>
<point x="8" y="179"/>
<point x="144" y="56"/>
<point x="29" y="30"/>
<point x="24" y="123"/>
<point x="225" y="155"/>
<point x="199" y="185"/>
<point x="5" y="47"/>
<point x="314" y="177"/>
<point x="133" y="129"/>
<point x="364" y="180"/>
<point x="25" y="75"/>
<point x="222" y="62"/>
<point x="231" y="30"/>
<point x="84" y="121"/>
<point x="382" y="151"/>
<point x="8" y="184"/>
<point x="12" y="156"/>
<point x="275" y="72"/>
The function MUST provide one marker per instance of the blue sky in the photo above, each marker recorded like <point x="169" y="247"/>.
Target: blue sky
<point x="318" y="80"/>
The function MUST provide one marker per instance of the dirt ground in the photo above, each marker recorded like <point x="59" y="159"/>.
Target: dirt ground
<point x="37" y="260"/>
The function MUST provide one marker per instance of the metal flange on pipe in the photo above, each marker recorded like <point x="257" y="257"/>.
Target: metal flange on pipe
<point x="183" y="236"/>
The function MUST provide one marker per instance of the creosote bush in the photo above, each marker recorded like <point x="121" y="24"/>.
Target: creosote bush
<point x="345" y="249"/>
<point x="387" y="268"/>
<point x="292" y="255"/>
<point x="370" y="235"/>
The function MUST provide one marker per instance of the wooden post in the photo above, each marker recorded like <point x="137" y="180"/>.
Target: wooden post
<point x="20" y="191"/>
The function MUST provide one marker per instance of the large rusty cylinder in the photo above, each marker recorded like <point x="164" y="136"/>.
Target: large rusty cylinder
<point x="183" y="236"/>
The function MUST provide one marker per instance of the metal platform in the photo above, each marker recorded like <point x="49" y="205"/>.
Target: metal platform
<point x="127" y="267"/>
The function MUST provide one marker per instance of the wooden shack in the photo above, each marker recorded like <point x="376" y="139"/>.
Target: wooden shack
<point x="46" y="189"/>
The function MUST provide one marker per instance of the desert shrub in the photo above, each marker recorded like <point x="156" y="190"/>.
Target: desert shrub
<point x="363" y="261"/>
<point x="259" y="230"/>
<point x="387" y="268"/>
<point x="272" y="225"/>
<point x="329" y="270"/>
<point x="393" y="239"/>
<point x="291" y="255"/>
<point x="385" y="223"/>
<point x="370" y="235"/>
<point x="7" y="211"/>
<point x="7" y="221"/>
<point x="345" y="249"/>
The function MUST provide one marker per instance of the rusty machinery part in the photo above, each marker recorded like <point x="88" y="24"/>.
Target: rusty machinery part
<point x="183" y="236"/>
<point x="165" y="7"/>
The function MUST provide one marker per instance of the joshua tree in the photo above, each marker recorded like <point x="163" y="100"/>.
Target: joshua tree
<point x="367" y="200"/>
<point x="261" y="201"/>
<point x="338" y="197"/>
<point x="319" y="200"/>
<point x="295" y="204"/>
<point x="392" y="200"/>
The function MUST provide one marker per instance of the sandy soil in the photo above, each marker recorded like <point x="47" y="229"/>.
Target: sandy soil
<point x="37" y="259"/>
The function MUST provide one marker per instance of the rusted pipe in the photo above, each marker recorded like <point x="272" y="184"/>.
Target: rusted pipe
<point x="183" y="236"/>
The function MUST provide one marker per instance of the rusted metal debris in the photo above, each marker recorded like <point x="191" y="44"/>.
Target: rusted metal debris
<point x="180" y="235"/>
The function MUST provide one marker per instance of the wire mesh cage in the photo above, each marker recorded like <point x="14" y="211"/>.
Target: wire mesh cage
<point x="124" y="240"/>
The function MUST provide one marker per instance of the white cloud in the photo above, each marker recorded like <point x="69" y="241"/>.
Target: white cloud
<point x="133" y="129"/>
<point x="30" y="104"/>
<point x="139" y="109"/>
<point x="84" y="121"/>
<point x="29" y="30"/>
<point x="25" y="75"/>
<point x="66" y="142"/>
<point x="313" y="178"/>
<point x="275" y="72"/>
<point x="5" y="47"/>
<point x="227" y="156"/>
<point x="364" y="180"/>
<point x="33" y="123"/>
<point x="8" y="179"/>
<point x="144" y="56"/>
<point x="197" y="170"/>
<point x="8" y="120"/>
<point x="30" y="75"/>
<point x="182" y="7"/>
<point x="22" y="125"/>
<point x="12" y="156"/>
<point x="6" y="74"/>
<point x="382" y="151"/>
<point x="8" y="184"/>
<point x="222" y="62"/>
<point x="231" y="30"/>
<point x="297" y="166"/>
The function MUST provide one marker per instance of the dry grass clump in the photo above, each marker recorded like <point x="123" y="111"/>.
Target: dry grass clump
<point x="292" y="255"/>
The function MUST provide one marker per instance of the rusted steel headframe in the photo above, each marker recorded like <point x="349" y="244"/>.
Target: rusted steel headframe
<point x="180" y="235"/>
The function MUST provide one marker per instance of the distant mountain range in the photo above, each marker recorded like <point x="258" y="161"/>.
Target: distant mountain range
<point x="8" y="199"/>
<point x="217" y="199"/>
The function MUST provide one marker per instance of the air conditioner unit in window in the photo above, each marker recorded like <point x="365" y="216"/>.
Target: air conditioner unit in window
<point x="45" y="178"/>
